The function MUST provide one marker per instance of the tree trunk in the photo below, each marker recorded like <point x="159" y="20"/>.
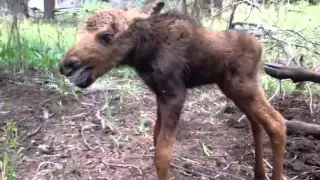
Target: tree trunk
<point x="205" y="6"/>
<point x="184" y="7"/>
<point x="49" y="6"/>
<point x="196" y="11"/>
<point x="218" y="4"/>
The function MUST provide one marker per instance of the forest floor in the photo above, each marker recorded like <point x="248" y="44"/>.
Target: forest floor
<point x="62" y="136"/>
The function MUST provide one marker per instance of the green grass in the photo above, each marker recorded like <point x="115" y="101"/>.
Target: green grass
<point x="42" y="44"/>
<point x="10" y="140"/>
<point x="300" y="18"/>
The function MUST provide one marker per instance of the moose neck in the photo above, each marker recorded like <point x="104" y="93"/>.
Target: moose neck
<point x="144" y="50"/>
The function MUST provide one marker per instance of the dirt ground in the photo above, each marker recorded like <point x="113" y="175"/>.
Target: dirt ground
<point x="62" y="136"/>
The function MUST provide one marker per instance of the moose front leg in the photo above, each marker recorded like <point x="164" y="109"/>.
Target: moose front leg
<point x="169" y="111"/>
<point x="157" y="126"/>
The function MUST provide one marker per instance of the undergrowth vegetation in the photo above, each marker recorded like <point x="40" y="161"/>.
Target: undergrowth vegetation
<point x="10" y="139"/>
<point x="41" y="44"/>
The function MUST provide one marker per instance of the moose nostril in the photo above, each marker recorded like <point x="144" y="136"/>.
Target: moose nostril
<point x="71" y="63"/>
<point x="67" y="66"/>
<point x="61" y="69"/>
<point x="64" y="70"/>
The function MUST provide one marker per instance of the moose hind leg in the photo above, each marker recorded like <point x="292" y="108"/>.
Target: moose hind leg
<point x="274" y="124"/>
<point x="250" y="98"/>
<point x="257" y="132"/>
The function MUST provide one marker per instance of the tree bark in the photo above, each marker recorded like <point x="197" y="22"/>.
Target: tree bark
<point x="48" y="9"/>
<point x="218" y="4"/>
<point x="184" y="7"/>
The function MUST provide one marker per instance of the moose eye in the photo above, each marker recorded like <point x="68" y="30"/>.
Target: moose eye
<point x="106" y="38"/>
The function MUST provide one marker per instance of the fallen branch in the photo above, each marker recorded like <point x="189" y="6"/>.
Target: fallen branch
<point x="297" y="74"/>
<point x="300" y="127"/>
<point x="307" y="172"/>
<point x="303" y="128"/>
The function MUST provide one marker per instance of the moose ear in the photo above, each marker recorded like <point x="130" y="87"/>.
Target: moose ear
<point x="149" y="9"/>
<point x="114" y="26"/>
<point x="156" y="8"/>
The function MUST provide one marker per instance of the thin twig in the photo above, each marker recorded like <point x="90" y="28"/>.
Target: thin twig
<point x="225" y="168"/>
<point x="191" y="172"/>
<point x="315" y="44"/>
<point x="40" y="104"/>
<point x="43" y="163"/>
<point x="123" y="166"/>
<point x="311" y="101"/>
<point x="267" y="163"/>
<point x="50" y="99"/>
<point x="304" y="173"/>
<point x="85" y="140"/>
<point x="34" y="132"/>
<point x="102" y="120"/>
<point x="269" y="166"/>
<point x="188" y="160"/>
<point x="293" y="44"/>
<point x="196" y="173"/>
<point x="25" y="118"/>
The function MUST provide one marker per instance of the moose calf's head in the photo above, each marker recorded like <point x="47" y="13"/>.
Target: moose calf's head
<point x="97" y="50"/>
<point x="104" y="44"/>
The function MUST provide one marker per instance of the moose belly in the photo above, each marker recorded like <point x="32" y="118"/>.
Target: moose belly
<point x="198" y="78"/>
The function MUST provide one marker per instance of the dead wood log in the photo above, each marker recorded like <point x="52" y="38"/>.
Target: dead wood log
<point x="295" y="74"/>
<point x="302" y="128"/>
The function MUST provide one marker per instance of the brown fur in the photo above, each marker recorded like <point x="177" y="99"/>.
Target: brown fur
<point x="104" y="16"/>
<point x="171" y="53"/>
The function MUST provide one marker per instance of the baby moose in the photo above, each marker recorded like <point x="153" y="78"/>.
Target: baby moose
<point x="171" y="53"/>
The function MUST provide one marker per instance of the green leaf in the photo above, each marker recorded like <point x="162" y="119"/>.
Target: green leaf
<point x="5" y="161"/>
<point x="143" y="127"/>
<point x="12" y="174"/>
